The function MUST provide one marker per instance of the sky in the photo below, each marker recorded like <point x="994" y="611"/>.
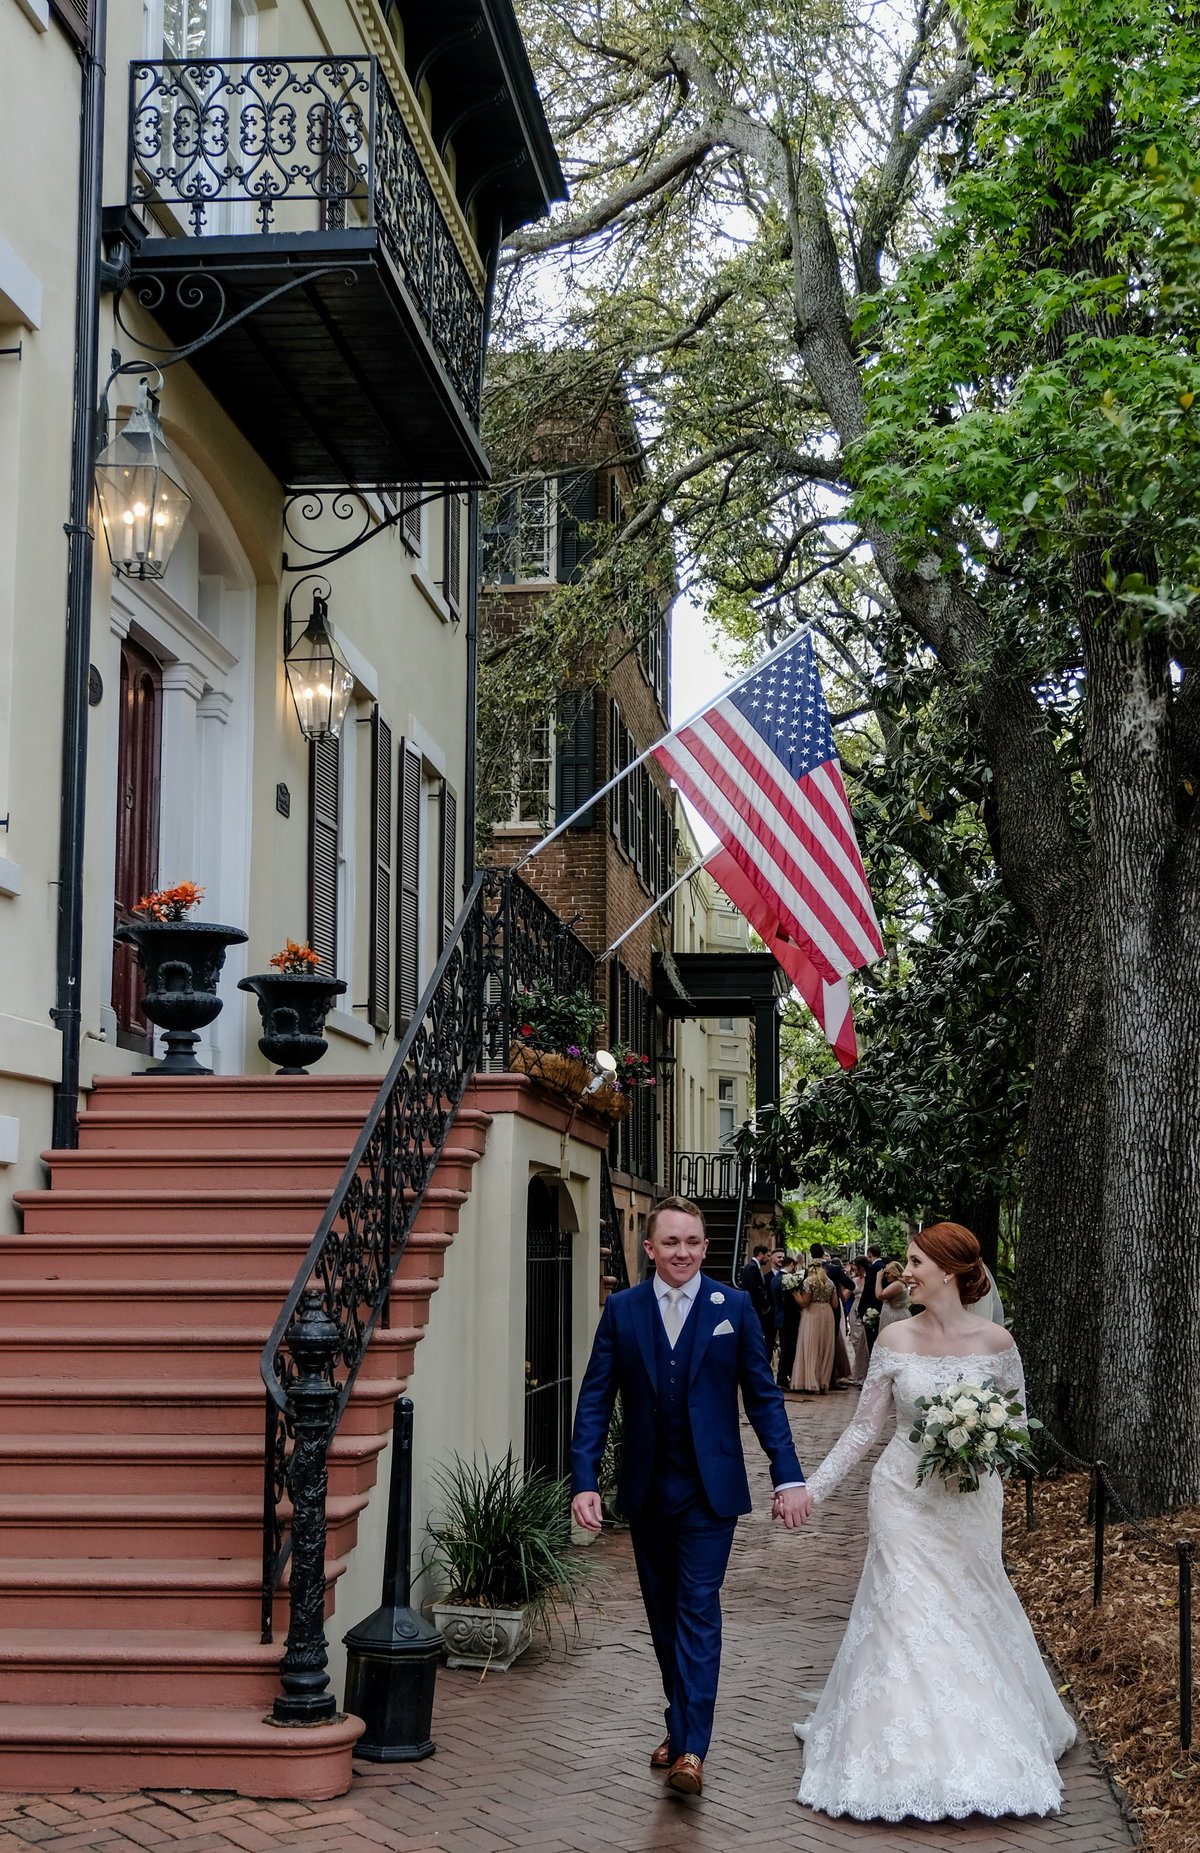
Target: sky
<point x="697" y="676"/>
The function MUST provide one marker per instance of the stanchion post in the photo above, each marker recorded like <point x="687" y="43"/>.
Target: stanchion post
<point x="1029" y="1502"/>
<point x="1100" y="1511"/>
<point x="1185" y="1551"/>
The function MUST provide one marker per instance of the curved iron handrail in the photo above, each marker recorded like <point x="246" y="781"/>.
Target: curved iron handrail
<point x="352" y="1259"/>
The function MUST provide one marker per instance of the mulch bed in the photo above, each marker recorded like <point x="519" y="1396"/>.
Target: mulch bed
<point x="1120" y="1661"/>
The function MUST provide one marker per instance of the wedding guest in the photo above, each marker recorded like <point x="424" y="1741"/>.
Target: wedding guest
<point x="856" y="1337"/>
<point x="869" y="1299"/>
<point x="754" y="1282"/>
<point x="813" y="1369"/>
<point x="789" y="1329"/>
<point x="893" y="1295"/>
<point x="844" y="1286"/>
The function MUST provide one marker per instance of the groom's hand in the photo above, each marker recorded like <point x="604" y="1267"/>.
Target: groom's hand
<point x="586" y="1511"/>
<point x="793" y="1505"/>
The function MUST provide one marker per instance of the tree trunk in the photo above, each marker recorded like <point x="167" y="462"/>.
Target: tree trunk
<point x="1056" y="1314"/>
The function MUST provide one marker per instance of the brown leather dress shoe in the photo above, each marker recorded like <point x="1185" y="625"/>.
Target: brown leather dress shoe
<point x="687" y="1774"/>
<point x="661" y="1758"/>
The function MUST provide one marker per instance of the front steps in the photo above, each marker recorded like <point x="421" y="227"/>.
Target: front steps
<point x="133" y="1309"/>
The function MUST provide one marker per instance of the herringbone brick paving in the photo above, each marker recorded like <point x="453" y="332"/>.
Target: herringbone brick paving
<point x="552" y="1757"/>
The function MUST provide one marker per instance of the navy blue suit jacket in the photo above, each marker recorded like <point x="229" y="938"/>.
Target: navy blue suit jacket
<point x="623" y="1359"/>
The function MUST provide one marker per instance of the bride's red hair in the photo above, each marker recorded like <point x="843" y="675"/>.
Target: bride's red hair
<point x="954" y="1249"/>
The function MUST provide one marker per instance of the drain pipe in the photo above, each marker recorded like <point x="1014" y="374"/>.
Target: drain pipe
<point x="73" y="804"/>
<point x="474" y="569"/>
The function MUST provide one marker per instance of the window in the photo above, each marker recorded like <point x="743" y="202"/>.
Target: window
<point x="533" y="777"/>
<point x="408" y="865"/>
<point x="520" y="542"/>
<point x="632" y="1020"/>
<point x="652" y="646"/>
<point x="638" y="817"/>
<point x="726" y="1110"/>
<point x="726" y="1024"/>
<point x="379" y="945"/>
<point x="616" y="503"/>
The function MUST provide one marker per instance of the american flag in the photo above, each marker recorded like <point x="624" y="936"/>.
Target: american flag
<point x="761" y="768"/>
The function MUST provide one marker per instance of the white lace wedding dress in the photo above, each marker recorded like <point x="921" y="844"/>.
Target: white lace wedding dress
<point x="938" y="1702"/>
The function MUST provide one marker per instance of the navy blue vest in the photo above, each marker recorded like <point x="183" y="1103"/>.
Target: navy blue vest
<point x="677" y="1477"/>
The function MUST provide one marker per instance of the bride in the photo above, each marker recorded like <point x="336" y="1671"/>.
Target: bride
<point x="938" y="1703"/>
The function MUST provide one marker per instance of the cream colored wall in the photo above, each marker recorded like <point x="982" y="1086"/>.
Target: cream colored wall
<point x="469" y="1375"/>
<point x="705" y="921"/>
<point x="385" y="609"/>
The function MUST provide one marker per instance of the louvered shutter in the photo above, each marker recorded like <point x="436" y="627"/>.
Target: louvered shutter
<point x="408" y="863"/>
<point x="575" y="756"/>
<point x="576" y="506"/>
<point x="379" y="958"/>
<point x="452" y="552"/>
<point x="324" y="798"/>
<point x="448" y="865"/>
<point x="76" y="17"/>
<point x="410" y="520"/>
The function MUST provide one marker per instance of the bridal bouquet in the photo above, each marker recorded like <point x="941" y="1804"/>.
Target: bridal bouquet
<point x="792" y="1282"/>
<point x="970" y="1429"/>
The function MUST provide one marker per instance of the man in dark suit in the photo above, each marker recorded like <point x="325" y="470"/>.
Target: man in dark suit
<point x="870" y="1293"/>
<point x="789" y="1323"/>
<point x="755" y="1282"/>
<point x="678" y="1348"/>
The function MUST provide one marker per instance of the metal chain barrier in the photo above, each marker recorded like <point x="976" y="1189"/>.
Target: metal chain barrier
<point x="1182" y="1553"/>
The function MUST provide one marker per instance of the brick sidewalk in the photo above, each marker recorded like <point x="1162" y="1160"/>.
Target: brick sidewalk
<point x="552" y="1757"/>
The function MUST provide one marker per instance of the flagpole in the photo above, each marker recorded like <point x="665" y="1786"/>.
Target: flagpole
<point x="792" y="638"/>
<point x="655" y="905"/>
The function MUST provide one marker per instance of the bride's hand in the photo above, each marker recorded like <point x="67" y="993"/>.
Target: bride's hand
<point x="793" y="1504"/>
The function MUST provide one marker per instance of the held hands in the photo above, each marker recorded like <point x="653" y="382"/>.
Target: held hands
<point x="793" y="1505"/>
<point x="586" y="1511"/>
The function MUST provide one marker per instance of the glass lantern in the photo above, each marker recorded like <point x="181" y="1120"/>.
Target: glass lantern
<point x="143" y="504"/>
<point x="319" y="677"/>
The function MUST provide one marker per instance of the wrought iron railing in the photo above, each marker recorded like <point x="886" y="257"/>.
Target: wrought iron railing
<point x="613" y="1265"/>
<point x="304" y="144"/>
<point x="352" y="1260"/>
<point x="707" y="1174"/>
<point x="523" y="941"/>
<point x="504" y="936"/>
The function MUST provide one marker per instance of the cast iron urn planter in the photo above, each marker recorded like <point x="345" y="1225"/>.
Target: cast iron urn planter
<point x="182" y="961"/>
<point x="293" y="1007"/>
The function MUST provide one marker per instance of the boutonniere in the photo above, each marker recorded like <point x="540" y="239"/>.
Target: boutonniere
<point x="718" y="1299"/>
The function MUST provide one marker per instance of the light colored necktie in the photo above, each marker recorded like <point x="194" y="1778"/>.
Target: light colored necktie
<point x="672" y="1315"/>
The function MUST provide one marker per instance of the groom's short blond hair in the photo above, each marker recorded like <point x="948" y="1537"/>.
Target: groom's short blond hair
<point x="684" y="1205"/>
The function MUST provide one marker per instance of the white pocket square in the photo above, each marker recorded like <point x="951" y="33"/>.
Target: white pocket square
<point x="720" y="1330"/>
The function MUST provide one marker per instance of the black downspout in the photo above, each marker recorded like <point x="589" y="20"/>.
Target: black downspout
<point x="474" y="568"/>
<point x="67" y="1011"/>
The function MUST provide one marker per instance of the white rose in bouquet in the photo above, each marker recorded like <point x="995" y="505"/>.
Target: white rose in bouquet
<point x="994" y="1415"/>
<point x="958" y="1437"/>
<point x="970" y="1421"/>
<point x="962" y="1406"/>
<point x="970" y="1431"/>
<point x="987" y="1441"/>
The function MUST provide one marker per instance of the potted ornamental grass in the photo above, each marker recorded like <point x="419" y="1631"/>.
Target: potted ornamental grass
<point x="553" y="1035"/>
<point x="294" y="999"/>
<point x="501" y="1544"/>
<point x="181" y="959"/>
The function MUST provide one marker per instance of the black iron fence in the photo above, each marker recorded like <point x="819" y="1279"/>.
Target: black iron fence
<point x="707" y="1174"/>
<point x="613" y="1265"/>
<point x="524" y="941"/>
<point x="263" y="145"/>
<point x="1103" y="1497"/>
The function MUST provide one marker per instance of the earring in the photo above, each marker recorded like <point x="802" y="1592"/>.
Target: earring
<point x="947" y="1278"/>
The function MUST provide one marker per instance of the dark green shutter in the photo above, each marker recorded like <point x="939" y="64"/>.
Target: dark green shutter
<point x="452" y="552"/>
<point x="379" y="953"/>
<point x="408" y="863"/>
<point x="575" y="756"/>
<point x="499" y="542"/>
<point x="448" y="864"/>
<point x="576" y="507"/>
<point x="324" y="782"/>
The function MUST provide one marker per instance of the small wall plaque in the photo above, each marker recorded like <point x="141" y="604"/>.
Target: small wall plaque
<point x="95" y="687"/>
<point x="283" y="800"/>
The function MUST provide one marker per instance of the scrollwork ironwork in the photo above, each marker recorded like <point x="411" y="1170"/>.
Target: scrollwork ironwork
<point x="326" y="134"/>
<point x="523" y="941"/>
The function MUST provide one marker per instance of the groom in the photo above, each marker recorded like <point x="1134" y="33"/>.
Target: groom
<point x="678" y="1348"/>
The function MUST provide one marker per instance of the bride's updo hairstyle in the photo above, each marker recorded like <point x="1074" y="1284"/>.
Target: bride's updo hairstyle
<point x="955" y="1250"/>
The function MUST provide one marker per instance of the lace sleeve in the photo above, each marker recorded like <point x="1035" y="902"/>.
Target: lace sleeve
<point x="1009" y="1373"/>
<point x="870" y="1420"/>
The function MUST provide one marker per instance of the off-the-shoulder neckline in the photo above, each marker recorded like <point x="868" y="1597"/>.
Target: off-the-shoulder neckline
<point x="944" y="1357"/>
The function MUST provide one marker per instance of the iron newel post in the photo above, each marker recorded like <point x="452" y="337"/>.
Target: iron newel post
<point x="313" y="1342"/>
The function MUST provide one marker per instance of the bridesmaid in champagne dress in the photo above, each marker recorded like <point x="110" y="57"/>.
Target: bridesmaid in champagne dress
<point x="856" y="1337"/>
<point x="815" y="1347"/>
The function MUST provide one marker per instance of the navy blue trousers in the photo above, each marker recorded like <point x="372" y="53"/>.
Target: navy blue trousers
<point x="681" y="1557"/>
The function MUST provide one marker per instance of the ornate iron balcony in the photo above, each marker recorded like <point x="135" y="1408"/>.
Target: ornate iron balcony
<point x="256" y="147"/>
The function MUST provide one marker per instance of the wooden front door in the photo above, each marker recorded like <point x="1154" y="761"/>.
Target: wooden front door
<point x="139" y="760"/>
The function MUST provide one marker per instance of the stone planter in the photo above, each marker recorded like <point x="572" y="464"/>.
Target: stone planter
<point x="182" y="961"/>
<point x="487" y="1639"/>
<point x="293" y="1007"/>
